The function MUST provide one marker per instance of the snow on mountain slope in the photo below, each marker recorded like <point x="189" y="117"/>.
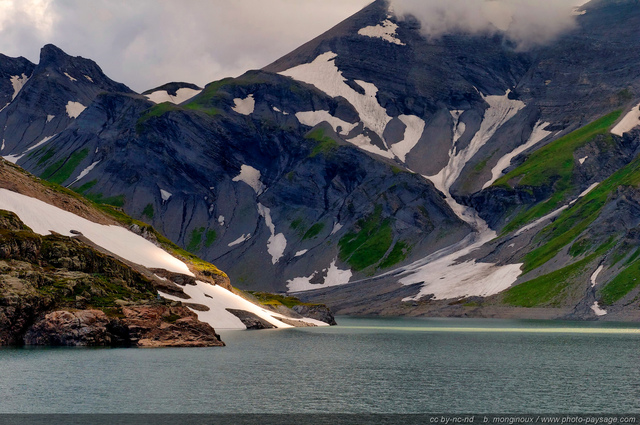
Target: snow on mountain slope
<point x="629" y="122"/>
<point x="218" y="300"/>
<point x="43" y="219"/>
<point x="325" y="75"/>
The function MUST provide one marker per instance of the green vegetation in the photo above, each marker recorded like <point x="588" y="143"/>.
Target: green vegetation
<point x="148" y="211"/>
<point x="622" y="284"/>
<point x="313" y="231"/>
<point x="155" y="112"/>
<point x="210" y="238"/>
<point x="552" y="166"/>
<point x="545" y="290"/>
<point x="580" y="247"/>
<point x="275" y="300"/>
<point x="367" y="246"/>
<point x="572" y="222"/>
<point x="45" y="154"/>
<point x="195" y="241"/>
<point x="211" y="95"/>
<point x="325" y="146"/>
<point x="398" y="253"/>
<point x="62" y="170"/>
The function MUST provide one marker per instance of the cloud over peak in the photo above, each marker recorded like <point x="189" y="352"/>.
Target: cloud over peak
<point x="526" y="22"/>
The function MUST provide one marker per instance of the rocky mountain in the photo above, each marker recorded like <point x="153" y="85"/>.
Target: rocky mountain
<point x="376" y="169"/>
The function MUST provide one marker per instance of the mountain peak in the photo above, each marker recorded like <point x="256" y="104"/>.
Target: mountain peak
<point x="52" y="54"/>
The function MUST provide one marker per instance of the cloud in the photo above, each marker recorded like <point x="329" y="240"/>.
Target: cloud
<point x="145" y="43"/>
<point x="526" y="22"/>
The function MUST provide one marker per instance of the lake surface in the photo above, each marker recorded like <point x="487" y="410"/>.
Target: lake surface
<point x="361" y="366"/>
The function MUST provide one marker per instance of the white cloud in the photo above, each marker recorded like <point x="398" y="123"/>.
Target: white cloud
<point x="526" y="22"/>
<point x="145" y="43"/>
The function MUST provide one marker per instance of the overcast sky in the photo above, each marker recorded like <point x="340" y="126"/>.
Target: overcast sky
<point x="145" y="43"/>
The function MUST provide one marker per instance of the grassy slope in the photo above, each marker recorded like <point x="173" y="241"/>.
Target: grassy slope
<point x="552" y="166"/>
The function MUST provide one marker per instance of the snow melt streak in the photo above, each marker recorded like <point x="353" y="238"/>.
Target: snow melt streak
<point x="43" y="218"/>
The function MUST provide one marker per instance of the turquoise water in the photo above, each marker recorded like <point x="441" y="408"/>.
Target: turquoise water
<point x="361" y="366"/>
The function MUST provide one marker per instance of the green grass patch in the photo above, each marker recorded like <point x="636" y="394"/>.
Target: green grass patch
<point x="367" y="246"/>
<point x="313" y="231"/>
<point x="156" y="111"/>
<point x="82" y="189"/>
<point x="267" y="298"/>
<point x="195" y="240"/>
<point x="325" y="145"/>
<point x="622" y="284"/>
<point x="580" y="247"/>
<point x="62" y="170"/>
<point x="398" y="253"/>
<point x="553" y="166"/>
<point x="98" y="198"/>
<point x="573" y="221"/>
<point x="210" y="238"/>
<point x="148" y="211"/>
<point x="545" y="290"/>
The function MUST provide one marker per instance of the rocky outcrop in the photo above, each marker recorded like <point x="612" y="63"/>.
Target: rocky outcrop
<point x="250" y="320"/>
<point x="140" y="326"/>
<point x="318" y="312"/>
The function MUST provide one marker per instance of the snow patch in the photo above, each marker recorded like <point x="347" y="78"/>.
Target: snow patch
<point x="70" y="77"/>
<point x="595" y="275"/>
<point x="301" y="253"/>
<point x="458" y="126"/>
<point x="336" y="228"/>
<point x="597" y="310"/>
<point x="244" y="106"/>
<point x="13" y="158"/>
<point x="282" y="112"/>
<point x="629" y="122"/>
<point x="364" y="143"/>
<point x="582" y="160"/>
<point x="165" y="195"/>
<point x="325" y="75"/>
<point x="182" y="95"/>
<point x="84" y="173"/>
<point x="250" y="176"/>
<point x="50" y="117"/>
<point x="43" y="218"/>
<point x="88" y="78"/>
<point x="40" y="143"/>
<point x="18" y="82"/>
<point x="412" y="133"/>
<point x="277" y="243"/>
<point x="74" y="109"/>
<point x="313" y="118"/>
<point x="240" y="240"/>
<point x="221" y="220"/>
<point x="335" y="277"/>
<point x="537" y="135"/>
<point x="218" y="300"/>
<point x="2" y="148"/>
<point x="386" y="31"/>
